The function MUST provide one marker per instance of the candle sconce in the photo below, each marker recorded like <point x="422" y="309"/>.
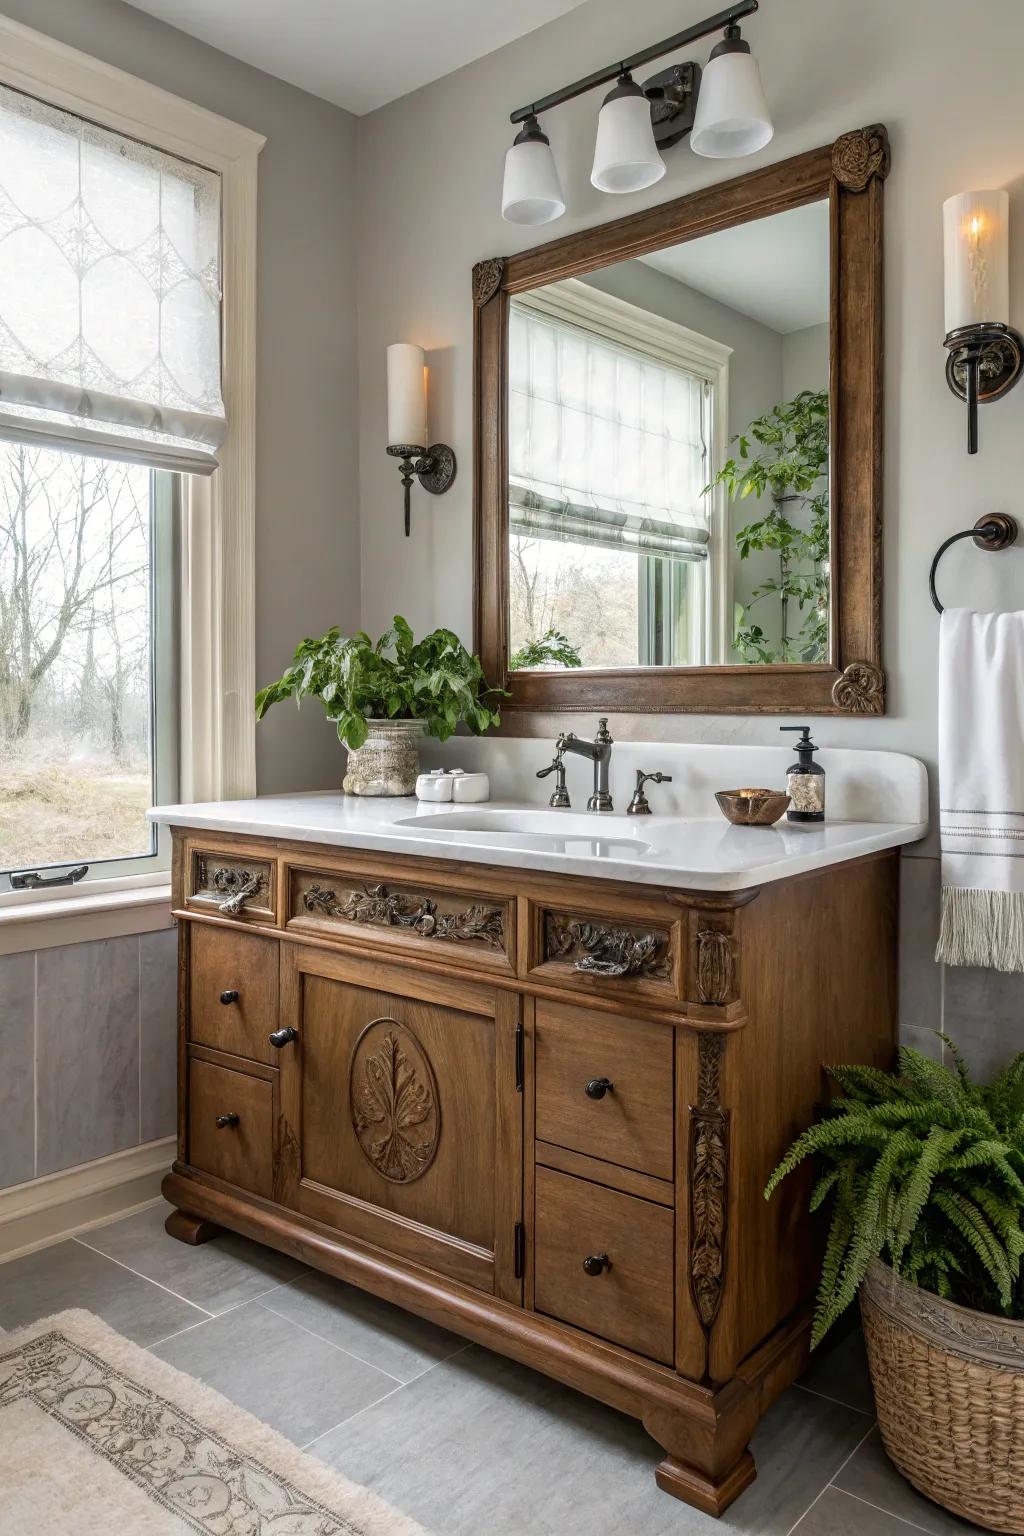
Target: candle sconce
<point x="986" y="354"/>
<point x="433" y="467"/>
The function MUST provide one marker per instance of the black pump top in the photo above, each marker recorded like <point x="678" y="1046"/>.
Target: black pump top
<point x="805" y="748"/>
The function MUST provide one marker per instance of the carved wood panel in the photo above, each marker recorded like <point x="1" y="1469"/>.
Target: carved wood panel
<point x="393" y="1099"/>
<point x="450" y="919"/>
<point x="232" y="884"/>
<point x="716" y="967"/>
<point x="709" y="1169"/>
<point x="598" y="948"/>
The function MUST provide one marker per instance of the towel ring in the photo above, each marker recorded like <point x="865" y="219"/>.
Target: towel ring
<point x="994" y="532"/>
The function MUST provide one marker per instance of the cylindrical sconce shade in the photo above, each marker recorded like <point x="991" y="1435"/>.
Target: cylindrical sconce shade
<point x="531" y="192"/>
<point x="626" y="158"/>
<point x="976" y="245"/>
<point x="732" y="117"/>
<point x="407" y="396"/>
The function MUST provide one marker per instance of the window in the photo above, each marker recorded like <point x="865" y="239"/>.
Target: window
<point x="611" y="422"/>
<point x="87" y="662"/>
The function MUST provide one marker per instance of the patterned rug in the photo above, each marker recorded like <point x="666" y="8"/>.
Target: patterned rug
<point x="99" y="1438"/>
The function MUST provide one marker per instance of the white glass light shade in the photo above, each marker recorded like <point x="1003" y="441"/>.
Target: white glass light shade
<point x="407" y="396"/>
<point x="976" y="247"/>
<point x="626" y="158"/>
<point x="732" y="116"/>
<point x="531" y="192"/>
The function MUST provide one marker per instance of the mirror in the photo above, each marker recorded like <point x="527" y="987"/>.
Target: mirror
<point x="668" y="455"/>
<point x="678" y="421"/>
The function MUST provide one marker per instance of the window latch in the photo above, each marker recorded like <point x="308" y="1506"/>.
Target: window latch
<point x="32" y="880"/>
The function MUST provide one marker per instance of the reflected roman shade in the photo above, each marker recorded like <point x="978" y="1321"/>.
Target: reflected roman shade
<point x="110" y="307"/>
<point x="605" y="446"/>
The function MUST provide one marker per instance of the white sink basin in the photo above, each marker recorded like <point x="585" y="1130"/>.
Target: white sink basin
<point x="580" y="834"/>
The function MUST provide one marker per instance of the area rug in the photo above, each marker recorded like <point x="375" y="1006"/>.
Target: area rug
<point x="99" y="1438"/>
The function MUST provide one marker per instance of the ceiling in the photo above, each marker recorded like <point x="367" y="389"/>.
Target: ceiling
<point x="774" y="270"/>
<point x="359" y="54"/>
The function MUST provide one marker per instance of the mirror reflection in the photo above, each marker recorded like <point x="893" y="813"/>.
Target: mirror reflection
<point x="668" y="455"/>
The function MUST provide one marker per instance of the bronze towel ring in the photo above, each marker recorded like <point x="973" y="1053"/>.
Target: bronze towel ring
<point x="996" y="531"/>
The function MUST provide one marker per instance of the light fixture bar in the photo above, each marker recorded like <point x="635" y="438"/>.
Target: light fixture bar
<point x="715" y="23"/>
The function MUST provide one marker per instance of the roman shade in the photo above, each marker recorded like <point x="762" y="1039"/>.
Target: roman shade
<point x="110" y="292"/>
<point x="606" y="446"/>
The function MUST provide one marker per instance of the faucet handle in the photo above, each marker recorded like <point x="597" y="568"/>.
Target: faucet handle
<point x="603" y="734"/>
<point x="639" y="806"/>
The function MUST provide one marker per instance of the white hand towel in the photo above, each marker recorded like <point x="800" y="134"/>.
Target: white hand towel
<point x="981" y="788"/>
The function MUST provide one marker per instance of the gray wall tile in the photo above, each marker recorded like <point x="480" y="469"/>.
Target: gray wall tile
<point x="158" y="970"/>
<point x="17" y="1052"/>
<point x="984" y="1014"/>
<point x="87" y="1052"/>
<point x="920" y="974"/>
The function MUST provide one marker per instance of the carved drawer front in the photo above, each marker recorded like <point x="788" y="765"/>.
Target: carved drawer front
<point x="233" y="991"/>
<point x="464" y="927"/>
<point x="606" y="954"/>
<point x="232" y="885"/>
<point x="604" y="1263"/>
<point x="231" y="1126"/>
<point x="604" y="1087"/>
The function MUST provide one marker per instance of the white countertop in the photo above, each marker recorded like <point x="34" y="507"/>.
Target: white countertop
<point x="684" y="852"/>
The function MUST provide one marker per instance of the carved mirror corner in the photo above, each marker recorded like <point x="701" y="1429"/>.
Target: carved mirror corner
<point x="678" y="440"/>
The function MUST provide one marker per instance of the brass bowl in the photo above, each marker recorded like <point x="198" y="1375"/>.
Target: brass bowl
<point x="752" y="807"/>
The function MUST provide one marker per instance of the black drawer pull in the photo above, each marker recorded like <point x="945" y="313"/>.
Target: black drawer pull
<point x="596" y="1263"/>
<point x="280" y="1037"/>
<point x="598" y="1087"/>
<point x="230" y="996"/>
<point x="224" y="1121"/>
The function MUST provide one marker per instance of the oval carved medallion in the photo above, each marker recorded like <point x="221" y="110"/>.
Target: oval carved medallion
<point x="393" y="1100"/>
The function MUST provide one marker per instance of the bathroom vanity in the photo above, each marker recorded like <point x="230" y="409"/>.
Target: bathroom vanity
<point x="525" y="1072"/>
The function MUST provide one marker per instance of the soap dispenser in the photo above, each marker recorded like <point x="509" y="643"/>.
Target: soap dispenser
<point x="805" y="780"/>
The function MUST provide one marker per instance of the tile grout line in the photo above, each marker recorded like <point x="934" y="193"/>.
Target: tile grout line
<point x="880" y="1508"/>
<point x="831" y="1481"/>
<point x="212" y="1317"/>
<point x="139" y="1276"/>
<point x="331" y="1345"/>
<point x="401" y="1387"/>
<point x="837" y="1400"/>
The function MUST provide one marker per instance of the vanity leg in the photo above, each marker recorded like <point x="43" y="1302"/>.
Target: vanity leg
<point x="707" y="1463"/>
<point x="191" y="1229"/>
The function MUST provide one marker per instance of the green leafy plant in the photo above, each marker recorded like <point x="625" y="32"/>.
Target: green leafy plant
<point x="552" y="648"/>
<point x="396" y="677"/>
<point x="924" y="1169"/>
<point x="793" y="458"/>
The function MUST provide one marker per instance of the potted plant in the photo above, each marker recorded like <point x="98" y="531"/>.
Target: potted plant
<point x="384" y="695"/>
<point x="923" y="1172"/>
<point x="793" y="439"/>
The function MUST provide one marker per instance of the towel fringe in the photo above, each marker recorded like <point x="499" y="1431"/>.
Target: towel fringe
<point x="982" y="928"/>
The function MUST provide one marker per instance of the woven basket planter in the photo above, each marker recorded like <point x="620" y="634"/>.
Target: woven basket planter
<point x="949" y="1388"/>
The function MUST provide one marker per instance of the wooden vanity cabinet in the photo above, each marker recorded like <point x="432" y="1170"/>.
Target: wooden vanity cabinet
<point x="539" y="1111"/>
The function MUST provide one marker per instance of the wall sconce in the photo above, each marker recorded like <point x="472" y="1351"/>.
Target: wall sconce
<point x="727" y="114"/>
<point x="433" y="467"/>
<point x="985" y="352"/>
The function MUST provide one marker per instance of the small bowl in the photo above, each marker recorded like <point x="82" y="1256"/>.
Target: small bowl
<point x="752" y="807"/>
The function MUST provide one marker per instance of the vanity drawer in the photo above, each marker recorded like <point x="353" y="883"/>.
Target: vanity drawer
<point x="631" y="1122"/>
<point x="232" y="885"/>
<point x="242" y="1151"/>
<point x="233" y="991"/>
<point x="629" y="1297"/>
<point x="608" y="953"/>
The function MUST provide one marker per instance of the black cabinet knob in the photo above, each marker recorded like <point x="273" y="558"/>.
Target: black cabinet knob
<point x="280" y="1037"/>
<point x="230" y="996"/>
<point x="598" y="1087"/>
<point x="224" y="1121"/>
<point x="596" y="1263"/>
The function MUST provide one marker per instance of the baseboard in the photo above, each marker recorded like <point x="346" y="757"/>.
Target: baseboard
<point x="46" y="1210"/>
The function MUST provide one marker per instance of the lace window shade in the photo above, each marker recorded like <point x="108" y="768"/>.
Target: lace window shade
<point x="605" y="447"/>
<point x="109" y="292"/>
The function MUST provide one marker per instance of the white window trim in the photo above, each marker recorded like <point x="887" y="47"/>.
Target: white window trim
<point x="665" y="341"/>
<point x="217" y="665"/>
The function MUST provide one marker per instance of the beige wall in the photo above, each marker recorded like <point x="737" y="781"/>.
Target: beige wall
<point x="307" y="529"/>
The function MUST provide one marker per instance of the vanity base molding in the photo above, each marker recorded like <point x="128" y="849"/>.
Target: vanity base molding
<point x="538" y="1111"/>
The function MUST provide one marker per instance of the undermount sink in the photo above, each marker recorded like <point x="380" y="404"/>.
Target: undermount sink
<point x="584" y="834"/>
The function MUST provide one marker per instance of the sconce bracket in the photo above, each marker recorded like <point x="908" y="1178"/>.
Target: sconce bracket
<point x="434" y="468"/>
<point x="985" y="361"/>
<point x="672" y="94"/>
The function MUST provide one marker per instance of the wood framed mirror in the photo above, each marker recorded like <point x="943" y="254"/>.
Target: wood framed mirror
<point x="678" y="451"/>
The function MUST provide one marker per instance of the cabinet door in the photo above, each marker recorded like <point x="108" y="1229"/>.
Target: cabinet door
<point x="402" y="1118"/>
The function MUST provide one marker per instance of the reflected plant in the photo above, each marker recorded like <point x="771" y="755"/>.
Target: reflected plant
<point x="551" y="649"/>
<point x="784" y="455"/>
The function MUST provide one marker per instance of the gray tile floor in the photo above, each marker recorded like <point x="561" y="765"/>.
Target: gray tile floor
<point x="466" y="1442"/>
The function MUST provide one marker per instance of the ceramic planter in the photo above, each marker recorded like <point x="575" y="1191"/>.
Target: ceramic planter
<point x="388" y="761"/>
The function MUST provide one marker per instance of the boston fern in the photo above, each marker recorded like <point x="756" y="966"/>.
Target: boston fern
<point x="924" y="1169"/>
<point x="396" y="677"/>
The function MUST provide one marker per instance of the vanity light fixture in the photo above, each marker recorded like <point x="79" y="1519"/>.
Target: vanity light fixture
<point x="727" y="114"/>
<point x="433" y="467"/>
<point x="986" y="354"/>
